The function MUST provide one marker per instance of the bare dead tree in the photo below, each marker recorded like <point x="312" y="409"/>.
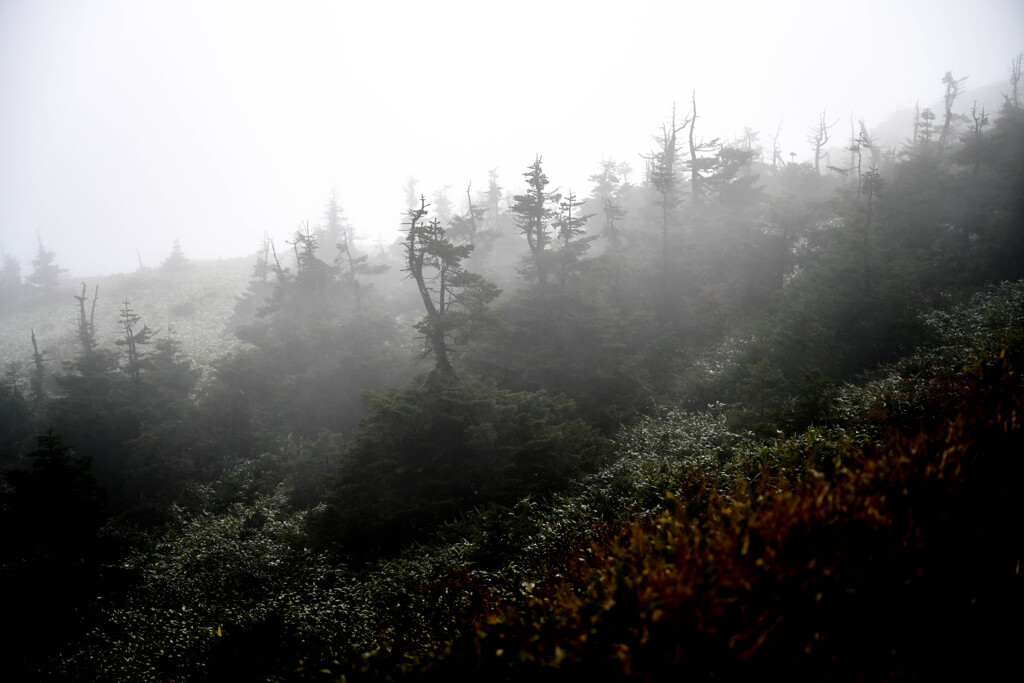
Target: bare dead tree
<point x="917" y="122"/>
<point x="662" y="168"/>
<point x="776" y="152"/>
<point x="859" y="141"/>
<point x="978" y="122"/>
<point x="37" y="381"/>
<point x="86" y="325"/>
<point x="954" y="87"/>
<point x="819" y="137"/>
<point x="1013" y="98"/>
<point x="697" y="163"/>
<point x="869" y="143"/>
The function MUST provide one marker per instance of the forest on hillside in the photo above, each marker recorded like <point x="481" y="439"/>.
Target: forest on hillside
<point x="715" y="415"/>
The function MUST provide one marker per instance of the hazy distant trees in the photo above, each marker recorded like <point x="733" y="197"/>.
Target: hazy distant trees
<point x="468" y="227"/>
<point x="86" y="330"/>
<point x="46" y="274"/>
<point x="10" y="281"/>
<point x="923" y="125"/>
<point x="176" y="259"/>
<point x="319" y="339"/>
<point x="572" y="243"/>
<point x="561" y="334"/>
<point x="335" y="229"/>
<point x="134" y="343"/>
<point x="700" y="163"/>
<point x="663" y="172"/>
<point x="352" y="267"/>
<point x="974" y="141"/>
<point x="258" y="291"/>
<point x="819" y="136"/>
<point x="1013" y="99"/>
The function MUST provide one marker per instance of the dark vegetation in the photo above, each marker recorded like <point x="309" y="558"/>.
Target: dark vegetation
<point x="737" y="416"/>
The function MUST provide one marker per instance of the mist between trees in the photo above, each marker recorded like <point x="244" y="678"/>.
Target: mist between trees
<point x="348" y="407"/>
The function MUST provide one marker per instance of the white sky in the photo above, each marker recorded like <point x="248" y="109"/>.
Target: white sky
<point x="127" y="124"/>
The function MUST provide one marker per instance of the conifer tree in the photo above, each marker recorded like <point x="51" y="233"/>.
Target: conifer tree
<point x="455" y="299"/>
<point x="10" y="281"/>
<point x="533" y="213"/>
<point x="134" y="342"/>
<point x="176" y="260"/>
<point x="569" y="227"/>
<point x="45" y="272"/>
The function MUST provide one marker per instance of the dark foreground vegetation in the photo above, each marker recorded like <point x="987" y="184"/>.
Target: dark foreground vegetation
<point x="736" y="417"/>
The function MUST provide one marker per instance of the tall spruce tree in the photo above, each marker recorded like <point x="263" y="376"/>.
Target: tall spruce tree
<point x="533" y="212"/>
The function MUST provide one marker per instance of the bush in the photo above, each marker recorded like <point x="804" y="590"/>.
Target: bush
<point x="905" y="565"/>
<point x="428" y="453"/>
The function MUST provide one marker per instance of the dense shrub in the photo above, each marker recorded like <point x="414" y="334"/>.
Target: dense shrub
<point x="429" y="452"/>
<point x="902" y="566"/>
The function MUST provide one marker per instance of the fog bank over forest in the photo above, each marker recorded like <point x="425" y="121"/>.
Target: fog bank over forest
<point x="129" y="125"/>
<point x="669" y="390"/>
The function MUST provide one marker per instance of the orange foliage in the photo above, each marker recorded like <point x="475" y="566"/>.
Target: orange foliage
<point x="906" y="564"/>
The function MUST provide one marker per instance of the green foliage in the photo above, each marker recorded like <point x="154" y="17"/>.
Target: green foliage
<point x="568" y="340"/>
<point x="454" y="299"/>
<point x="427" y="453"/>
<point x="54" y="509"/>
<point x="51" y="552"/>
<point x="912" y="548"/>
<point x="15" y="422"/>
<point x="506" y="535"/>
<point x="533" y="212"/>
<point x="306" y="382"/>
<point x="316" y="345"/>
<point x="567" y="584"/>
<point x="215" y="586"/>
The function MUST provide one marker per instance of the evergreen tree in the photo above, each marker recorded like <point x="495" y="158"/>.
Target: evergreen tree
<point x="569" y="228"/>
<point x="335" y="229"/>
<point x="352" y="267"/>
<point x="533" y="212"/>
<point x="319" y="340"/>
<point x="10" y="282"/>
<point x="46" y="274"/>
<point x="430" y="452"/>
<point x="176" y="260"/>
<point x="134" y="342"/>
<point x="50" y="552"/>
<point x="455" y="299"/>
<point x="15" y="420"/>
<point x="258" y="292"/>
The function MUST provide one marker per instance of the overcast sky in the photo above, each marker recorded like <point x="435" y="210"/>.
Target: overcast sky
<point x="127" y="124"/>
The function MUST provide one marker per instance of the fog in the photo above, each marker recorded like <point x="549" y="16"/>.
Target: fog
<point x="127" y="125"/>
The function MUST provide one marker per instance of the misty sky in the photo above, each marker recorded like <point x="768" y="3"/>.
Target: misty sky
<point x="127" y="124"/>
